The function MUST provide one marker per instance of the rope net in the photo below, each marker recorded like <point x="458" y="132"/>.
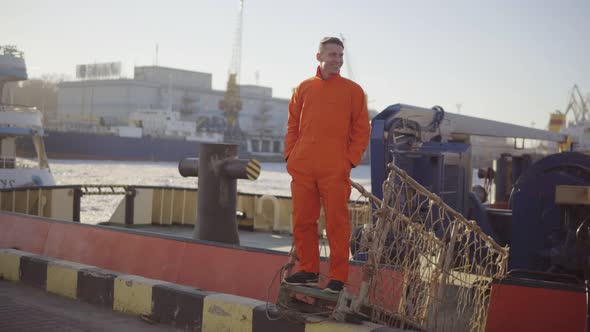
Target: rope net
<point x="427" y="267"/>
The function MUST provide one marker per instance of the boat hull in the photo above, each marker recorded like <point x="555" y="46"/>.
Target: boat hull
<point x="86" y="146"/>
<point x="91" y="146"/>
<point x="28" y="177"/>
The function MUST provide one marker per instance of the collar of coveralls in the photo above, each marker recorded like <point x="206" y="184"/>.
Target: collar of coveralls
<point x="318" y="74"/>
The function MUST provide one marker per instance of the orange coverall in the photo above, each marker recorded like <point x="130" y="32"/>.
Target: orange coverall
<point x="327" y="132"/>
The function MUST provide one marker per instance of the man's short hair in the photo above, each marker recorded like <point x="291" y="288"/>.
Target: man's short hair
<point x="330" y="40"/>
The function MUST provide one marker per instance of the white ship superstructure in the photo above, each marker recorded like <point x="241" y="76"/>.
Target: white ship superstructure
<point x="17" y="121"/>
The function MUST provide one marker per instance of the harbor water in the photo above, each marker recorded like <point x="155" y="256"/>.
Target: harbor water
<point x="273" y="180"/>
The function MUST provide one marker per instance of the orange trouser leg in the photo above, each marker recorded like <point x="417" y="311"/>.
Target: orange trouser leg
<point x="335" y="190"/>
<point x="306" y="211"/>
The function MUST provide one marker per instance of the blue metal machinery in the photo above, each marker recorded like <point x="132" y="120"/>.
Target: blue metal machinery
<point x="404" y="131"/>
<point x="423" y="150"/>
<point x="508" y="170"/>
<point x="434" y="148"/>
<point x="544" y="233"/>
<point x="441" y="167"/>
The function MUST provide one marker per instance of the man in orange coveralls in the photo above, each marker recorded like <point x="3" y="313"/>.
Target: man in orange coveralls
<point x="327" y="132"/>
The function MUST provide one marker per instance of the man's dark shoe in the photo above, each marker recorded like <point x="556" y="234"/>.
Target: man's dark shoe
<point x="334" y="286"/>
<point x="302" y="279"/>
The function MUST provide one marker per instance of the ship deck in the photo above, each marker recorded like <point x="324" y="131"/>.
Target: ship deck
<point x="253" y="239"/>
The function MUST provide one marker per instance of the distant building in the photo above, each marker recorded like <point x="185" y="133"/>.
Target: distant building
<point x="110" y="102"/>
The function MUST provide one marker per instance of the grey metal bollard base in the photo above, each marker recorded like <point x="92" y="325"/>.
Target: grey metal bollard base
<point x="218" y="170"/>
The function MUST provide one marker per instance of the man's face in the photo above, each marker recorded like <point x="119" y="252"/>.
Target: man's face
<point x="331" y="58"/>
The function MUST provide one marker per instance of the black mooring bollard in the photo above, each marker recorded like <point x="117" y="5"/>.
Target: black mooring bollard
<point x="218" y="169"/>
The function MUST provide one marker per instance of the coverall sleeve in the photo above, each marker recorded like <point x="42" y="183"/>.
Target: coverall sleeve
<point x="359" y="127"/>
<point x="293" y="122"/>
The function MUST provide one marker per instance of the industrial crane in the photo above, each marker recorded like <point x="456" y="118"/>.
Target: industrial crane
<point x="231" y="104"/>
<point x="348" y="62"/>
<point x="347" y="59"/>
<point x="578" y="105"/>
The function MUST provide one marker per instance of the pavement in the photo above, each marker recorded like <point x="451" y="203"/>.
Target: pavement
<point x="24" y="308"/>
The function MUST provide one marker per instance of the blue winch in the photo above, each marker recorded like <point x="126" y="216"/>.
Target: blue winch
<point x="543" y="231"/>
<point x="434" y="147"/>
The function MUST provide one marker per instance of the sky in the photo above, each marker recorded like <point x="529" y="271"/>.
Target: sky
<point x="510" y="61"/>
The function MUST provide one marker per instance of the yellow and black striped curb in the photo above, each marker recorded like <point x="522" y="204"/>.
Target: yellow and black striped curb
<point x="182" y="306"/>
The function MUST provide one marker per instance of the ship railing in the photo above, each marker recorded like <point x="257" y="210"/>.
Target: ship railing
<point x="259" y="212"/>
<point x="156" y="205"/>
<point x="57" y="202"/>
<point x="80" y="127"/>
